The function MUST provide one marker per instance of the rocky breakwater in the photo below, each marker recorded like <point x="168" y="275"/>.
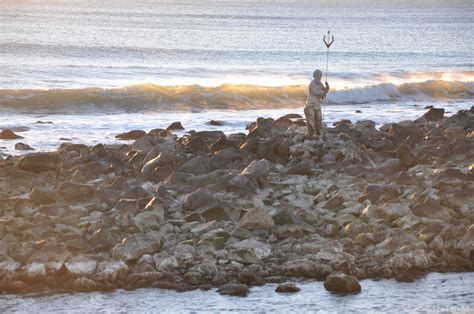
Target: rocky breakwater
<point x="209" y="210"/>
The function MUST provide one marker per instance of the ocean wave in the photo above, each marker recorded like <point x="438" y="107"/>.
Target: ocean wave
<point x="227" y="96"/>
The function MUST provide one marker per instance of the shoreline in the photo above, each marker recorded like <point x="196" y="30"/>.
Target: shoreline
<point x="231" y="211"/>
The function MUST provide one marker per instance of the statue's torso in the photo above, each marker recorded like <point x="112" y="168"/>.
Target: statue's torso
<point x="315" y="93"/>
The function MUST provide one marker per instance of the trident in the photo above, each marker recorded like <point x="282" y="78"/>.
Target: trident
<point x="328" y="44"/>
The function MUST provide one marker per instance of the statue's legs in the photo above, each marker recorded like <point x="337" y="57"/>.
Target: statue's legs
<point x="318" y="127"/>
<point x="314" y="120"/>
<point x="310" y="117"/>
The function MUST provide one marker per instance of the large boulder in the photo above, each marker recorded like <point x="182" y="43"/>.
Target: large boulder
<point x="341" y="283"/>
<point x="256" y="219"/>
<point x="38" y="162"/>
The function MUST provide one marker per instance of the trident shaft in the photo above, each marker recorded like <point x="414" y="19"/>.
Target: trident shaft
<point x="328" y="44"/>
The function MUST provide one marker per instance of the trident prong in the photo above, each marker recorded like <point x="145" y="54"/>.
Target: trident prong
<point x="328" y="44"/>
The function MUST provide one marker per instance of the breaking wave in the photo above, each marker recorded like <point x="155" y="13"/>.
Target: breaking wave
<point x="237" y="97"/>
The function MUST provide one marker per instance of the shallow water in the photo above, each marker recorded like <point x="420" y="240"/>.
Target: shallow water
<point x="92" y="129"/>
<point x="440" y="293"/>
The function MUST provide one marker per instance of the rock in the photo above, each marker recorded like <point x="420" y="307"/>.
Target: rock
<point x="430" y="209"/>
<point x="8" y="134"/>
<point x="80" y="266"/>
<point x="39" y="162"/>
<point x="197" y="165"/>
<point x="42" y="196"/>
<point x="175" y="126"/>
<point x="287" y="288"/>
<point x="341" y="283"/>
<point x="14" y="287"/>
<point x="257" y="169"/>
<point x="76" y="193"/>
<point x="259" y="249"/>
<point x="234" y="289"/>
<point x="467" y="241"/>
<point x="242" y="183"/>
<point x="216" y="123"/>
<point x="111" y="270"/>
<point x="335" y="203"/>
<point x="406" y="156"/>
<point x="132" y="248"/>
<point x="379" y="193"/>
<point x="130" y="135"/>
<point x="433" y="115"/>
<point x="302" y="168"/>
<point x="84" y="284"/>
<point x="256" y="219"/>
<point x="198" y="199"/>
<point x="22" y="146"/>
<point x="285" y="216"/>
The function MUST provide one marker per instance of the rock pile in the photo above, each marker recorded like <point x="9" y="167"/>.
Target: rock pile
<point x="231" y="211"/>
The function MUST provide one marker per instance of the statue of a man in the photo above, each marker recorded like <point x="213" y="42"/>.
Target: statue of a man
<point x="312" y="110"/>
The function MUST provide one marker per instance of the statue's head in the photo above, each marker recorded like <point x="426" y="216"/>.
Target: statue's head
<point x="317" y="74"/>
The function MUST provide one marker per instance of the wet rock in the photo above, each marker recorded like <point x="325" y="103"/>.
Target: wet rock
<point x="256" y="219"/>
<point x="341" y="283"/>
<point x="23" y="146"/>
<point x="84" y="284"/>
<point x="111" y="270"/>
<point x="215" y="123"/>
<point x="14" y="287"/>
<point x="8" y="134"/>
<point x="175" y="126"/>
<point x="287" y="288"/>
<point x="81" y="266"/>
<point x="39" y="162"/>
<point x="234" y="289"/>
<point x="130" y="135"/>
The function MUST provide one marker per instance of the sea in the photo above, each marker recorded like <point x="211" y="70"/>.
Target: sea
<point x="84" y="71"/>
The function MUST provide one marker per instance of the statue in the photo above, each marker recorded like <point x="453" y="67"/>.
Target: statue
<point x="312" y="110"/>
